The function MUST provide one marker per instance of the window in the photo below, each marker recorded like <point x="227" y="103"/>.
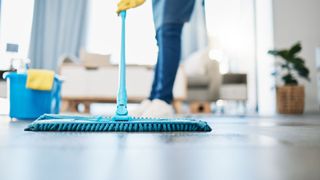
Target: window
<point x="240" y="34"/>
<point x="15" y="28"/>
<point x="104" y="30"/>
<point x="231" y="31"/>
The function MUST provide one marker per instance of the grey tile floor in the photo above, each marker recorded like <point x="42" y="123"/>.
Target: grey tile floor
<point x="273" y="148"/>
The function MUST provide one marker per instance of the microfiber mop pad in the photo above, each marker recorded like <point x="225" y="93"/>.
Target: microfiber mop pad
<point x="121" y="121"/>
<point x="51" y="122"/>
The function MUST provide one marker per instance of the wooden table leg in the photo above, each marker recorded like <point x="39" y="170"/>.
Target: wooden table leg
<point x="87" y="107"/>
<point x="200" y="107"/>
<point x="64" y="105"/>
<point x="73" y="106"/>
<point x="177" y="105"/>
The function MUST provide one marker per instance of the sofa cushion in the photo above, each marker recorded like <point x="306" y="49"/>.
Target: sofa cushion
<point x="233" y="92"/>
<point x="196" y="63"/>
<point x="101" y="83"/>
<point x="198" y="81"/>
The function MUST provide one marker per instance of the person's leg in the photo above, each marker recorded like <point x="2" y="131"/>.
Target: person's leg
<point x="169" y="43"/>
<point x="155" y="80"/>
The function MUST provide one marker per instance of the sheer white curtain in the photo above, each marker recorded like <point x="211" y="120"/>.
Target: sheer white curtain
<point x="104" y="32"/>
<point x="58" y="28"/>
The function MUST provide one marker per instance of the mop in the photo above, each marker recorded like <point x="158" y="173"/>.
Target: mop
<point x="121" y="121"/>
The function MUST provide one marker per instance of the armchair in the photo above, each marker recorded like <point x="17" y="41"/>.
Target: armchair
<point x="204" y="81"/>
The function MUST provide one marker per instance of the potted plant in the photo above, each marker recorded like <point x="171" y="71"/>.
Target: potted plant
<point x="290" y="95"/>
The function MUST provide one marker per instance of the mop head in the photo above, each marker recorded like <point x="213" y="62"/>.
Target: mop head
<point x="51" y="122"/>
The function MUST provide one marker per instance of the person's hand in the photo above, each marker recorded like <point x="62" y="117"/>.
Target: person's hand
<point x="128" y="4"/>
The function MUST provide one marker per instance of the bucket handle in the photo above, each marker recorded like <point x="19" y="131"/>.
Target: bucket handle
<point x="6" y="75"/>
<point x="57" y="97"/>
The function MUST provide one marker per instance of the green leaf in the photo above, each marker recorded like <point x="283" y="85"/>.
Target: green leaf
<point x="281" y="53"/>
<point x="297" y="60"/>
<point x="289" y="80"/>
<point x="295" y="49"/>
<point x="273" y="52"/>
<point x="274" y="73"/>
<point x="303" y="72"/>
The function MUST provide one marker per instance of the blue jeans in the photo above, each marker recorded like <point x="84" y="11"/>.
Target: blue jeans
<point x="169" y="44"/>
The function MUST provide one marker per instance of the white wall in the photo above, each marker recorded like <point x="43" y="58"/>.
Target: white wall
<point x="299" y="20"/>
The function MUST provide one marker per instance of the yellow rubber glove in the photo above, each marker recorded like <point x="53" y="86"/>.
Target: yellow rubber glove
<point x="128" y="4"/>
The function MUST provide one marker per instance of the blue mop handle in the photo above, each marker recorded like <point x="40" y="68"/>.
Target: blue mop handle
<point x="122" y="93"/>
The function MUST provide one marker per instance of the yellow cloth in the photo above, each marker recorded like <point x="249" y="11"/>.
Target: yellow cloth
<point x="39" y="79"/>
<point x="128" y="4"/>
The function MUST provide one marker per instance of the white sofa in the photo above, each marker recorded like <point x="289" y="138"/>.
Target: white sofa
<point x="87" y="85"/>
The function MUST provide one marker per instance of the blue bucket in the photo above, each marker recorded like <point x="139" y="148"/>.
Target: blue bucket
<point x="30" y="104"/>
